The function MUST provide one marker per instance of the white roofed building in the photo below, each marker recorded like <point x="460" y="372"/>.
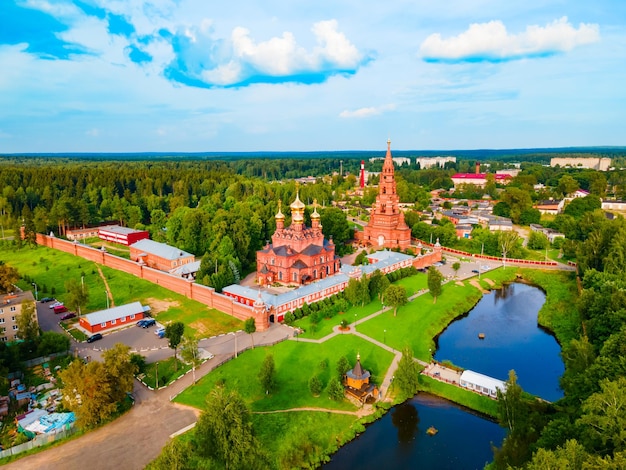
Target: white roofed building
<point x="482" y="384"/>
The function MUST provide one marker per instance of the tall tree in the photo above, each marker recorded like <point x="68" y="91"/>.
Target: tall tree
<point x="190" y="354"/>
<point x="604" y="417"/>
<point x="507" y="242"/>
<point x="77" y="294"/>
<point x="27" y="326"/>
<point x="407" y="374"/>
<point x="249" y="327"/>
<point x="435" y="278"/>
<point x="267" y="374"/>
<point x="224" y="433"/>
<point x="120" y="371"/>
<point x="87" y="392"/>
<point x="174" y="334"/>
<point x="343" y="366"/>
<point x="8" y="277"/>
<point x="395" y="296"/>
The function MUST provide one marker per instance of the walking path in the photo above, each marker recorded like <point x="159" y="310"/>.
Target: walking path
<point x="337" y="330"/>
<point x="106" y="285"/>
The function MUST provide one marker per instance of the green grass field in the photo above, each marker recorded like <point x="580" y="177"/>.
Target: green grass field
<point x="50" y="269"/>
<point x="296" y="363"/>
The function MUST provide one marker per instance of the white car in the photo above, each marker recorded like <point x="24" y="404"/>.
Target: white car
<point x="160" y="332"/>
<point x="55" y="304"/>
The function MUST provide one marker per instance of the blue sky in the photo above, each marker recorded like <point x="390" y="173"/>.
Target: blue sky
<point x="200" y="75"/>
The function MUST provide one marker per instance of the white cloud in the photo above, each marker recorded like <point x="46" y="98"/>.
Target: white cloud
<point x="367" y="112"/>
<point x="492" y="42"/>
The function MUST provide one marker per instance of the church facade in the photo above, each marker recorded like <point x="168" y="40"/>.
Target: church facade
<point x="298" y="254"/>
<point x="386" y="227"/>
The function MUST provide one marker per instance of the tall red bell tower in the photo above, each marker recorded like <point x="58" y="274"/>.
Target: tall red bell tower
<point x="386" y="227"/>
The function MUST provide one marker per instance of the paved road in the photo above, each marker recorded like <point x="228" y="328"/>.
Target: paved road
<point x="135" y="439"/>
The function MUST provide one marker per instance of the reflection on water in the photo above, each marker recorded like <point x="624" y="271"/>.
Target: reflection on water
<point x="399" y="439"/>
<point x="405" y="418"/>
<point x="513" y="340"/>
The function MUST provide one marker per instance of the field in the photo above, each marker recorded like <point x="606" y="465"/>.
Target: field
<point x="50" y="269"/>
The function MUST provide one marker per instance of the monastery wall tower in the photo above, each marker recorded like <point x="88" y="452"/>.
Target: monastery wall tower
<point x="386" y="227"/>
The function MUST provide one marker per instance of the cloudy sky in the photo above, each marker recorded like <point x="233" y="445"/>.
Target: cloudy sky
<point x="201" y="75"/>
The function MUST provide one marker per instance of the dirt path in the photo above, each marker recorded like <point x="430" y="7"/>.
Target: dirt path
<point x="323" y="410"/>
<point x="106" y="286"/>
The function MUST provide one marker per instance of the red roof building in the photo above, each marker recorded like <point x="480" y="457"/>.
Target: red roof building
<point x="122" y="235"/>
<point x="297" y="254"/>
<point x="478" y="179"/>
<point x="386" y="227"/>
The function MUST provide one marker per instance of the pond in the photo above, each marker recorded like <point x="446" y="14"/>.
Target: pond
<point x="513" y="340"/>
<point x="399" y="439"/>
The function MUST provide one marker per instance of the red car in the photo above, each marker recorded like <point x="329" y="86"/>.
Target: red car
<point x="68" y="315"/>
<point x="60" y="309"/>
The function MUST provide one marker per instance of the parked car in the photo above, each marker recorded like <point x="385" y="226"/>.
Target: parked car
<point x="68" y="315"/>
<point x="60" y="309"/>
<point x="141" y="322"/>
<point x="45" y="300"/>
<point x="55" y="304"/>
<point x="160" y="332"/>
<point x="94" y="337"/>
<point x="148" y="322"/>
<point x="475" y="271"/>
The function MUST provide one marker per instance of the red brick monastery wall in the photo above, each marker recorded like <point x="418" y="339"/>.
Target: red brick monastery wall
<point x="203" y="294"/>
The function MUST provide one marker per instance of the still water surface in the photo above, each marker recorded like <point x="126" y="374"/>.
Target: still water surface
<point x="399" y="439"/>
<point x="513" y="340"/>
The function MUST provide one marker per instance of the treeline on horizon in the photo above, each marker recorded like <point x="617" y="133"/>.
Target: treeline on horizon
<point x="509" y="155"/>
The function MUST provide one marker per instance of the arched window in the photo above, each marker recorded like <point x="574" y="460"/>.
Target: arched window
<point x="280" y="275"/>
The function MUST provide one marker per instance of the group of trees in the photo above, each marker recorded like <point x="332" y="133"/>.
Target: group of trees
<point x="584" y="429"/>
<point x="93" y="391"/>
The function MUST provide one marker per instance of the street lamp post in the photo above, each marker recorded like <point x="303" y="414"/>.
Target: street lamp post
<point x="235" y="335"/>
<point x="355" y="322"/>
<point x="156" y="382"/>
<point x="35" y="286"/>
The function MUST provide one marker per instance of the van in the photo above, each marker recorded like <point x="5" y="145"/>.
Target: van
<point x="60" y="309"/>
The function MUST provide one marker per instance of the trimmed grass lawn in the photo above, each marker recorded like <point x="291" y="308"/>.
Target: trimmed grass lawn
<point x="325" y="327"/>
<point x="296" y="363"/>
<point x="419" y="321"/>
<point x="413" y="284"/>
<point x="50" y="269"/>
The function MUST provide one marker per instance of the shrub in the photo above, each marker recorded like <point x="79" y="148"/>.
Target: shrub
<point x="335" y="389"/>
<point x="315" y="385"/>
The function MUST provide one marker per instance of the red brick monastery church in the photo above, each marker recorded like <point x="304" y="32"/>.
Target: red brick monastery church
<point x="386" y="228"/>
<point x="297" y="254"/>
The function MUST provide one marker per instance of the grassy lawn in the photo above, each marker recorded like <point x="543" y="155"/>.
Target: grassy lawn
<point x="303" y="434"/>
<point x="51" y="268"/>
<point x="413" y="284"/>
<point x="325" y="327"/>
<point x="296" y="363"/>
<point x="168" y="372"/>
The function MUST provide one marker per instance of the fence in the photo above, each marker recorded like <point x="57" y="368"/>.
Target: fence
<point x="494" y="258"/>
<point x="38" y="441"/>
<point x="40" y="360"/>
